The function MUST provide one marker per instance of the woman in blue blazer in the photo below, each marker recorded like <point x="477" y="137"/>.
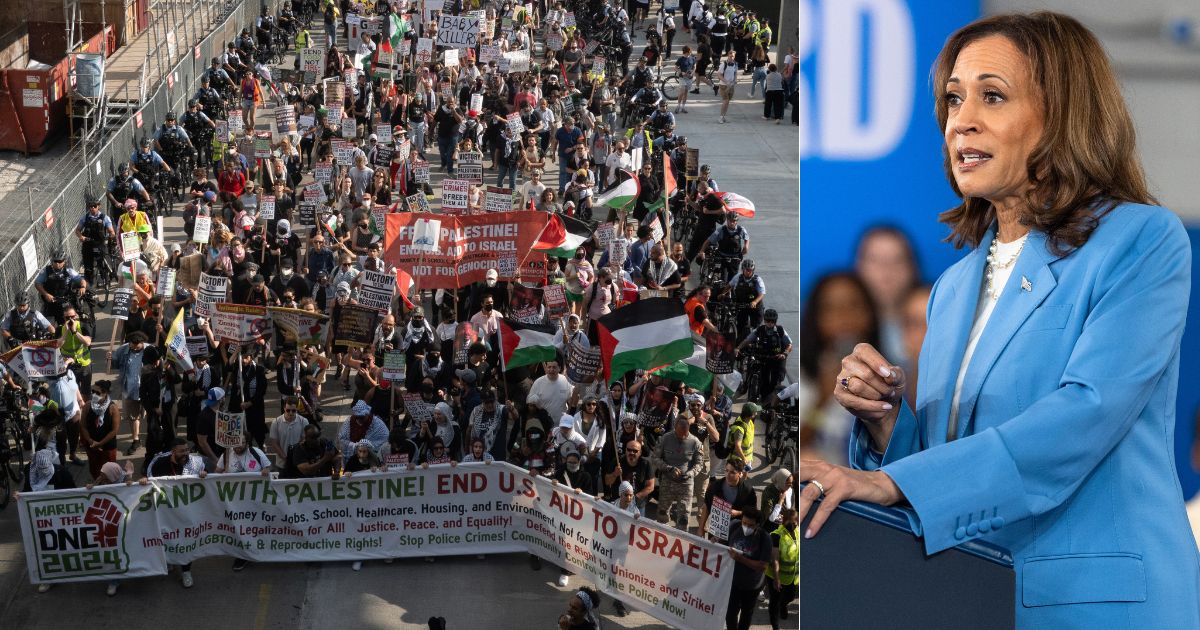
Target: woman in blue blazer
<point x="1045" y="409"/>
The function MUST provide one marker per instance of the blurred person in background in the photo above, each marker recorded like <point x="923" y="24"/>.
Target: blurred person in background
<point x="887" y="264"/>
<point x="913" y="325"/>
<point x="838" y="314"/>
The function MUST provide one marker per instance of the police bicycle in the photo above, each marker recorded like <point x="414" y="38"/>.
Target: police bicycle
<point x="15" y="437"/>
<point x="100" y="272"/>
<point x="783" y="434"/>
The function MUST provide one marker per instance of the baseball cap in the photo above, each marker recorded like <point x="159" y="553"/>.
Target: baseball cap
<point x="210" y="195"/>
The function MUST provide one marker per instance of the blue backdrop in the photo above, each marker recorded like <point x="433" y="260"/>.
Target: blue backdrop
<point x="871" y="151"/>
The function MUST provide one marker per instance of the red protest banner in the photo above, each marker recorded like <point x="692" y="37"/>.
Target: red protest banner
<point x="446" y="252"/>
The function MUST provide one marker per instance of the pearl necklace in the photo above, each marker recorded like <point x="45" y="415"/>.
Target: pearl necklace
<point x="993" y="263"/>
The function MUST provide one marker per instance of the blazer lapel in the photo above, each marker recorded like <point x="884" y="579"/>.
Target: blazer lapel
<point x="962" y="299"/>
<point x="1031" y="281"/>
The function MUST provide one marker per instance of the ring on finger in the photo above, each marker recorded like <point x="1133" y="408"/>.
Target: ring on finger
<point x="819" y="486"/>
<point x="845" y="382"/>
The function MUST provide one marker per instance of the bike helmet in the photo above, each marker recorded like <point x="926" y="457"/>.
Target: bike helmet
<point x="192" y="103"/>
<point x="704" y="168"/>
<point x="123" y="169"/>
<point x="22" y="299"/>
<point x="145" y="143"/>
<point x="91" y="201"/>
<point x="770" y="315"/>
<point x="679" y="140"/>
<point x="732" y="216"/>
<point x="59" y="255"/>
<point x="170" y="116"/>
<point x="747" y="265"/>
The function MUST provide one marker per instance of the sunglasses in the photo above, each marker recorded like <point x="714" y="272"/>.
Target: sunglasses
<point x="96" y="392"/>
<point x="289" y="411"/>
<point x="632" y="452"/>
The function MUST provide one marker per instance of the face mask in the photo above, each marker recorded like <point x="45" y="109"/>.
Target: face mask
<point x="747" y="530"/>
<point x="491" y="283"/>
<point x="286" y="272"/>
<point x="573" y="468"/>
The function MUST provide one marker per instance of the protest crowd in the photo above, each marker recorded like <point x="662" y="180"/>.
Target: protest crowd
<point x="472" y="223"/>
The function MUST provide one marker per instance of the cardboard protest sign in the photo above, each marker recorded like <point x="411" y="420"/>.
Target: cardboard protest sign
<point x="489" y="53"/>
<point x="525" y="305"/>
<point x="298" y="326"/>
<point x="518" y="60"/>
<point x="605" y="235"/>
<point x="222" y="130"/>
<point x="470" y="166"/>
<point x="323" y="172"/>
<point x="240" y="323"/>
<point x="349" y="129"/>
<point x="384" y="132"/>
<point x="197" y="346"/>
<point x="554" y="296"/>
<point x="515" y="125"/>
<point x="42" y="361"/>
<point x="658" y="405"/>
<point x="417" y="409"/>
<point x="285" y="119"/>
<point x="465" y="334"/>
<point x="394" y="366"/>
<point x="202" y="231"/>
<point x="458" y="31"/>
<point x="454" y="195"/>
<point x="166" y="283"/>
<point x="266" y="207"/>
<point x="353" y="325"/>
<point x="212" y="290"/>
<point x="383" y="156"/>
<point x="583" y="363"/>
<point x="131" y="247"/>
<point x="236" y="124"/>
<point x="450" y="58"/>
<point x="421" y="171"/>
<point x="417" y="203"/>
<point x="231" y="429"/>
<point x="377" y="290"/>
<point x="121" y="300"/>
<point x="497" y="199"/>
<point x="424" y="50"/>
<point x="343" y="152"/>
<point x="719" y="353"/>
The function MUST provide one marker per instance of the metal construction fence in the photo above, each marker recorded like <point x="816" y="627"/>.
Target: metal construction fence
<point x="202" y="28"/>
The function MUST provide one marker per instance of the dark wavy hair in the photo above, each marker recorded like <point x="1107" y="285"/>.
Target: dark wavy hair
<point x="812" y="345"/>
<point x="1085" y="163"/>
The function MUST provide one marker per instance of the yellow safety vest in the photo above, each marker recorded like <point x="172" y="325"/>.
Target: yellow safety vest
<point x="789" y="557"/>
<point x="127" y="224"/>
<point x="763" y="36"/>
<point x="302" y="40"/>
<point x="74" y="348"/>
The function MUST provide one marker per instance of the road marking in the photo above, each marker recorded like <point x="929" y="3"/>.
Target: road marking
<point x="264" y="597"/>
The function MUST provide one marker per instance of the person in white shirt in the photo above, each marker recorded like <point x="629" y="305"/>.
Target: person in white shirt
<point x="618" y="159"/>
<point x="286" y="431"/>
<point x="551" y="391"/>
<point x="363" y="50"/>
<point x="532" y="189"/>
<point x="244" y="458"/>
<point x="729" y="73"/>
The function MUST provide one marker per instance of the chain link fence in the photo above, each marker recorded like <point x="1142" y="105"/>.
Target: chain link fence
<point x="202" y="28"/>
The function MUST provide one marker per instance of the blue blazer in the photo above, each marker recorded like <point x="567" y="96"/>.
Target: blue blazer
<point x="1064" y="445"/>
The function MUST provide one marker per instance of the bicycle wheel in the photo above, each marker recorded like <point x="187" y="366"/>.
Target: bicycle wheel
<point x="5" y="489"/>
<point x="670" y="87"/>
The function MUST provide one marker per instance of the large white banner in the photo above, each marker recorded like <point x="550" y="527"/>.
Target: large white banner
<point x="133" y="531"/>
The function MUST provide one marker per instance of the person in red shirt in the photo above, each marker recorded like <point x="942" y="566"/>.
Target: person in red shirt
<point x="231" y="180"/>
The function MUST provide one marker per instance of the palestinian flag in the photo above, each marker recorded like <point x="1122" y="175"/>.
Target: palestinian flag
<point x="669" y="185"/>
<point x="404" y="284"/>
<point x="647" y="334"/>
<point x="525" y="344"/>
<point x="397" y="28"/>
<point x="562" y="236"/>
<point x="623" y="194"/>
<point x="737" y="203"/>
<point x="693" y="372"/>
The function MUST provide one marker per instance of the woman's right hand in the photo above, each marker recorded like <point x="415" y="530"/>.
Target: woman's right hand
<point x="870" y="387"/>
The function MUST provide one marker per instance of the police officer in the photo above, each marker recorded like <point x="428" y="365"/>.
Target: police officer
<point x="199" y="126"/>
<point x="748" y="291"/>
<point x="771" y="344"/>
<point x="23" y="324"/>
<point x="209" y="98"/>
<point x="218" y="77"/>
<point x="124" y="187"/>
<point x="732" y="243"/>
<point x="146" y="163"/>
<point x="94" y="231"/>
<point x="55" y="282"/>
<point x="172" y="141"/>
